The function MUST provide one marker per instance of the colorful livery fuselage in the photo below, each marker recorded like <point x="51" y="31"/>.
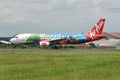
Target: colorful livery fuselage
<point x="36" y="38"/>
<point x="57" y="39"/>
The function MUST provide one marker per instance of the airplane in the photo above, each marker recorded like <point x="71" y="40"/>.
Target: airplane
<point x="45" y="40"/>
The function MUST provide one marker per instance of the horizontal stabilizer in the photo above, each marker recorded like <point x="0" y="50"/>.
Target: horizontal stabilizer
<point x="99" y="36"/>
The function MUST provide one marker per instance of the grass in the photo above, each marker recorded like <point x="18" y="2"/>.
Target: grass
<point x="60" y="65"/>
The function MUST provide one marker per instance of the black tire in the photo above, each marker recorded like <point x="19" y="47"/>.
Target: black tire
<point x="55" y="47"/>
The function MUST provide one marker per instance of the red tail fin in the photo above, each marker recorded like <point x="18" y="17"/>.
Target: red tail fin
<point x="96" y="29"/>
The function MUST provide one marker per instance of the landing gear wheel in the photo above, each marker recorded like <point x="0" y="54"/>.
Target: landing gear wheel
<point x="55" y="47"/>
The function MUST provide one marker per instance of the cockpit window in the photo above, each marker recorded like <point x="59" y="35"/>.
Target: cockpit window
<point x="16" y="37"/>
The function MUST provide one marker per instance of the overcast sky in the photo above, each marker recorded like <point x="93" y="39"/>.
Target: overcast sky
<point x="57" y="16"/>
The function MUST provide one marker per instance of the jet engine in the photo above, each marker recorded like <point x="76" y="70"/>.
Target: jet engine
<point x="44" y="43"/>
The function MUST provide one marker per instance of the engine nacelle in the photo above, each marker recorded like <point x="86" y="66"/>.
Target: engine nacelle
<point x="44" y="43"/>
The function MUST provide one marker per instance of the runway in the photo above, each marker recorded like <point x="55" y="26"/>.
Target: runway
<point x="61" y="50"/>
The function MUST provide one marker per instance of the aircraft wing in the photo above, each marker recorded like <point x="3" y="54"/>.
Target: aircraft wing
<point x="57" y="40"/>
<point x="5" y="42"/>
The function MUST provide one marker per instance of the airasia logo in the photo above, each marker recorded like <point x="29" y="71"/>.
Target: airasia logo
<point x="96" y="29"/>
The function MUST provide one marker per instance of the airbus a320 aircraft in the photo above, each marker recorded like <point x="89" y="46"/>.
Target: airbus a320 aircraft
<point x="45" y="40"/>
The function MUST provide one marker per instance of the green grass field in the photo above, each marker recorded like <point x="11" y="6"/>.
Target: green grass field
<point x="60" y="65"/>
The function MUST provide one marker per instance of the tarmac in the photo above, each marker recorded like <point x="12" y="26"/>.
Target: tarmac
<point x="41" y="50"/>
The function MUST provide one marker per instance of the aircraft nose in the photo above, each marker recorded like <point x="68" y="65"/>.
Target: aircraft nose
<point x="13" y="40"/>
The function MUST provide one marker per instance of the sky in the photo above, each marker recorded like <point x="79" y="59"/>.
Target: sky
<point x="57" y="16"/>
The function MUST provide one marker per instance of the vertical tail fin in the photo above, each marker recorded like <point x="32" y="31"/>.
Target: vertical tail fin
<point x="97" y="29"/>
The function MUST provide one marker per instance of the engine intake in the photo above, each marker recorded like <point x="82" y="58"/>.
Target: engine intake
<point x="44" y="43"/>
